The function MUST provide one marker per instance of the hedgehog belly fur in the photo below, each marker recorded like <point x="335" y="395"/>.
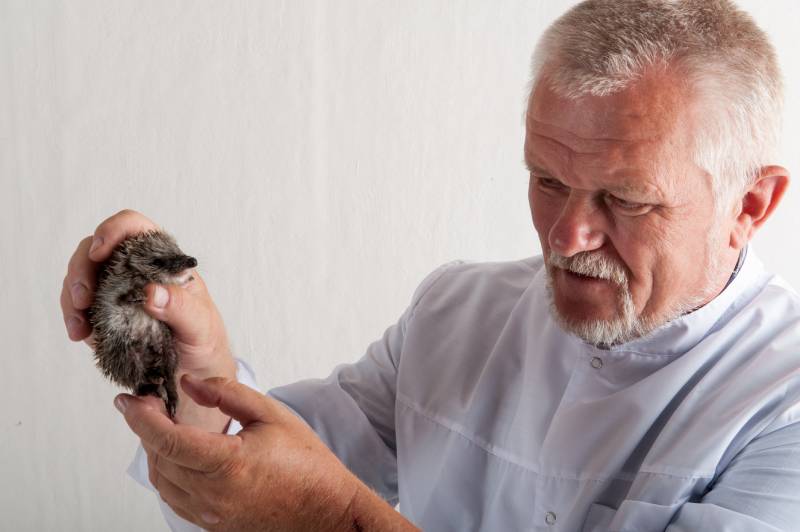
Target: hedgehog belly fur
<point x="132" y="345"/>
<point x="141" y="325"/>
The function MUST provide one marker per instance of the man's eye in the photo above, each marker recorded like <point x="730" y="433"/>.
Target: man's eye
<point x="629" y="207"/>
<point x="550" y="183"/>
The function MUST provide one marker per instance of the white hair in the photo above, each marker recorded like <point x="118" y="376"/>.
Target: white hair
<point x="726" y="61"/>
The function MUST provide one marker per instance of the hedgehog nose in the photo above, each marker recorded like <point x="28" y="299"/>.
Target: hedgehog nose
<point x="179" y="263"/>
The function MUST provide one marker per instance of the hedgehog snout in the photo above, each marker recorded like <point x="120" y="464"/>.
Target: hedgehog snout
<point x="175" y="264"/>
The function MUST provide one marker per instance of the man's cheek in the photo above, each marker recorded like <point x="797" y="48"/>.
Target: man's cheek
<point x="542" y="228"/>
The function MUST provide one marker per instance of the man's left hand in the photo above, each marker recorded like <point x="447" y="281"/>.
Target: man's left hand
<point x="275" y="474"/>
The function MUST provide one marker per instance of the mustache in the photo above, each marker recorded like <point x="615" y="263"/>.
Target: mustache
<point x="591" y="264"/>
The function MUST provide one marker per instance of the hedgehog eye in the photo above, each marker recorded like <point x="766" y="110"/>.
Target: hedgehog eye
<point x="159" y="262"/>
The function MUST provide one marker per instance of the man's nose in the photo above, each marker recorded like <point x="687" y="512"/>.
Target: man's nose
<point x="578" y="227"/>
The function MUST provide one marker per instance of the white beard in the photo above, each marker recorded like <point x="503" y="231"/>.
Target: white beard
<point x="627" y="325"/>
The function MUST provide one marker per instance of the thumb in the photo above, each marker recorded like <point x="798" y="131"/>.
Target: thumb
<point x="181" y="309"/>
<point x="233" y="398"/>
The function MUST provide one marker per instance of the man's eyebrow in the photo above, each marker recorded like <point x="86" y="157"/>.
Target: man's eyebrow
<point x="538" y="170"/>
<point x="625" y="188"/>
<point x="533" y="167"/>
<point x="650" y="193"/>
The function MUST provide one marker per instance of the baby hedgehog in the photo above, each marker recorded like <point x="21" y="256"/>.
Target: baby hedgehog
<point x="132" y="348"/>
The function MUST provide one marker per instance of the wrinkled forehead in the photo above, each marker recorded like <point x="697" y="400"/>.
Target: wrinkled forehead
<point x="653" y="107"/>
<point x="642" y="133"/>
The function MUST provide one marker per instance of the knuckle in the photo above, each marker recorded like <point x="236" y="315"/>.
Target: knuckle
<point x="223" y="382"/>
<point x="220" y="386"/>
<point x="119" y="226"/>
<point x="230" y="468"/>
<point x="134" y="220"/>
<point x="236" y="463"/>
<point x="229" y="386"/>
<point x="121" y="218"/>
<point x="168" y="445"/>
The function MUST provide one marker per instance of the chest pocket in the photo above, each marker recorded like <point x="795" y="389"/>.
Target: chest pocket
<point x="632" y="516"/>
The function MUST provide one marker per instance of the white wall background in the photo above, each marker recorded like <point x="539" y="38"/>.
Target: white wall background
<point x="317" y="157"/>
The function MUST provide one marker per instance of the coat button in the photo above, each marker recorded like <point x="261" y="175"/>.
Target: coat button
<point x="550" y="518"/>
<point x="597" y="362"/>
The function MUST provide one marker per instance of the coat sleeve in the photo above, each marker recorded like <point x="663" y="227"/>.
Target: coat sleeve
<point x="353" y="409"/>
<point x="759" y="491"/>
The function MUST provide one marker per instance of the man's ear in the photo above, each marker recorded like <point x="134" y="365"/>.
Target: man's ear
<point x="758" y="202"/>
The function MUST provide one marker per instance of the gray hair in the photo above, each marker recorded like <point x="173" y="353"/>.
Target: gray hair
<point x="726" y="60"/>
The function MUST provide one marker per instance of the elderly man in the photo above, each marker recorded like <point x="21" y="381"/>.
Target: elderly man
<point x="642" y="374"/>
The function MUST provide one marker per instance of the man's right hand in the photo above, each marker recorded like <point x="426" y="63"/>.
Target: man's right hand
<point x="198" y="331"/>
<point x="77" y="292"/>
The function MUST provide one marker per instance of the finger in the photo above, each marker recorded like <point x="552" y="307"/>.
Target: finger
<point x="170" y="479"/>
<point x="115" y="229"/>
<point x="182" y="478"/>
<point x="185" y="445"/>
<point x="75" y="320"/>
<point x="188" y="310"/>
<point x="232" y="398"/>
<point x="173" y="496"/>
<point x="171" y="492"/>
<point x="81" y="275"/>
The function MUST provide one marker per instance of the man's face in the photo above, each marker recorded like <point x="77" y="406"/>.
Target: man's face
<point x="614" y="194"/>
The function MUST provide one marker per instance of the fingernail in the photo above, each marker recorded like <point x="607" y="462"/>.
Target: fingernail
<point x="210" y="518"/>
<point x="73" y="325"/>
<point x="121" y="403"/>
<point x="96" y="243"/>
<point x="79" y="291"/>
<point x="160" y="296"/>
